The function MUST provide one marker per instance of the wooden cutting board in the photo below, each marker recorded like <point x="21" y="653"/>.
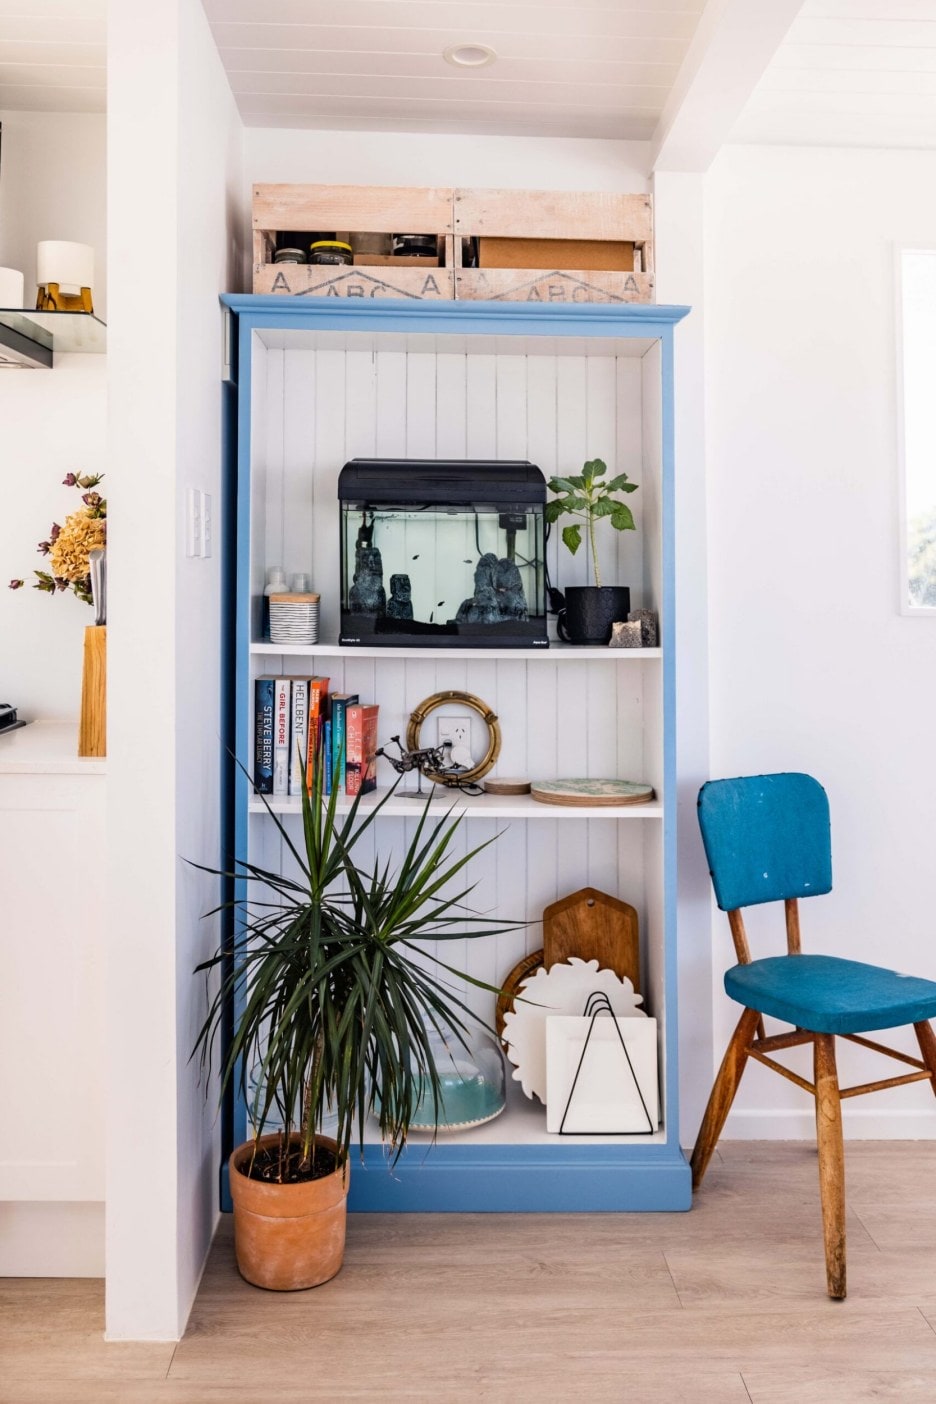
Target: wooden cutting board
<point x="593" y="926"/>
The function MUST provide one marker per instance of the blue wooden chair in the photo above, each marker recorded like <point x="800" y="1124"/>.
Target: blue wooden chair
<point x="767" y="839"/>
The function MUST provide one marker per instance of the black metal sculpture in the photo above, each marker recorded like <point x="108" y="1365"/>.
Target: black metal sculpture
<point x="431" y="762"/>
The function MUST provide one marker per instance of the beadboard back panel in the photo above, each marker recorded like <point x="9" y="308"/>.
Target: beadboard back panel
<point x="323" y="407"/>
<point x="317" y="408"/>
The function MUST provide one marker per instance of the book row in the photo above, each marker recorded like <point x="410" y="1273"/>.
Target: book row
<point x="297" y="722"/>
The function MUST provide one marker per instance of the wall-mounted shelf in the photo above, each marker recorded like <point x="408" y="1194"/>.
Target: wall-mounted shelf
<point x="30" y="339"/>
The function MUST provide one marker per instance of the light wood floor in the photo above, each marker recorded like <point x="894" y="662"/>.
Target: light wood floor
<point x="724" y="1304"/>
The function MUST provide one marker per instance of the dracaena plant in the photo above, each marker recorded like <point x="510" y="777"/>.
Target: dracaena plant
<point x="333" y="990"/>
<point x="590" y="499"/>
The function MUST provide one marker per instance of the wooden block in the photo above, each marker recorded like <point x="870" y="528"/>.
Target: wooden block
<point x="608" y="255"/>
<point x="594" y="926"/>
<point x="321" y="280"/>
<point x="559" y="285"/>
<point x="92" y="727"/>
<point x="553" y="214"/>
<point x="494" y="785"/>
<point x="368" y="209"/>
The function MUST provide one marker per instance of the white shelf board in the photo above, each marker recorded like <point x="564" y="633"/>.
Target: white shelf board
<point x="521" y="1123"/>
<point x="471" y="806"/>
<point x="556" y="653"/>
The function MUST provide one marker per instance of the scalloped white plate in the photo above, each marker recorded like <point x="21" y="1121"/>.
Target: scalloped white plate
<point x="562" y="989"/>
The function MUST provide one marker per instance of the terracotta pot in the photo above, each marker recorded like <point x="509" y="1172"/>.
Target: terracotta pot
<point x="287" y="1237"/>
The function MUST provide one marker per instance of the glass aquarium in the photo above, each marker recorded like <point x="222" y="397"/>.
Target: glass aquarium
<point x="447" y="552"/>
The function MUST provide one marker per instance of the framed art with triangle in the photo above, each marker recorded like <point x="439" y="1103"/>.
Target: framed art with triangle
<point x="601" y="1073"/>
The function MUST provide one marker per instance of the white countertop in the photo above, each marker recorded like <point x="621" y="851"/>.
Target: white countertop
<point x="46" y="748"/>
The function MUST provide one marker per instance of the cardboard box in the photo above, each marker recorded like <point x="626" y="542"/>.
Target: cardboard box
<point x="580" y="254"/>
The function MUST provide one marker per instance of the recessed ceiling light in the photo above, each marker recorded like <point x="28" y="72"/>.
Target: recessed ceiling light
<point x="469" y="55"/>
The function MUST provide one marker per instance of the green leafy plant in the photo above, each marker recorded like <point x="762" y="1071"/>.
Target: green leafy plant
<point x="332" y="990"/>
<point x="590" y="499"/>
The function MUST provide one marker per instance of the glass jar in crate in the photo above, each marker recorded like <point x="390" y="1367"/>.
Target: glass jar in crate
<point x="444" y="552"/>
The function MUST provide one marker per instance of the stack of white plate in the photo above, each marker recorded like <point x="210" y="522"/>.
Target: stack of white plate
<point x="294" y="619"/>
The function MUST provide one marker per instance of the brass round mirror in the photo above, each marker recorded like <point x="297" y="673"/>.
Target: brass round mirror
<point x="441" y="699"/>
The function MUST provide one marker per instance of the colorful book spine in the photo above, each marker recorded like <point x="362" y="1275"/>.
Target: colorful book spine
<point x="361" y="774"/>
<point x="281" y="719"/>
<point x="327" y="755"/>
<point x="340" y="702"/>
<point x="318" y="705"/>
<point x="299" y="735"/>
<point x="263" y="736"/>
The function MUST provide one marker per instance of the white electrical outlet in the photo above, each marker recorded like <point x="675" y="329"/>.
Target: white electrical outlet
<point x="457" y="730"/>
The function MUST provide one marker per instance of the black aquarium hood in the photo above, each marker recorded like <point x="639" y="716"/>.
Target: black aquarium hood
<point x="419" y="481"/>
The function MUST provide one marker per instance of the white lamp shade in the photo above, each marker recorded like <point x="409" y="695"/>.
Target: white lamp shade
<point x="12" y="290"/>
<point x="69" y="265"/>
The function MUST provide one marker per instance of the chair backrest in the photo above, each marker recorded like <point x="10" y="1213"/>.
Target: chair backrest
<point x="767" y="838"/>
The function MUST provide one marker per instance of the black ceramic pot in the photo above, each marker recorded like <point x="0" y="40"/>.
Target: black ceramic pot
<point x="589" y="612"/>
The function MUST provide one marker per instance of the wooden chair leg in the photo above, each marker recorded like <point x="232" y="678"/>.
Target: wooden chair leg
<point x="723" y="1094"/>
<point x="831" y="1162"/>
<point x="927" y="1041"/>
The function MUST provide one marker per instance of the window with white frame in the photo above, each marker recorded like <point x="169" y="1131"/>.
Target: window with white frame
<point x="918" y="418"/>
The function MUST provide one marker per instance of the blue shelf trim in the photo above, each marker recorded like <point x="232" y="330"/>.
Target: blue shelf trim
<point x="243" y="741"/>
<point x="521" y="1179"/>
<point x="446" y="315"/>
<point x="551" y="1177"/>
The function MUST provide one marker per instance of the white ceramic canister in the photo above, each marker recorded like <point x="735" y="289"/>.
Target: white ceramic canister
<point x="294" y="618"/>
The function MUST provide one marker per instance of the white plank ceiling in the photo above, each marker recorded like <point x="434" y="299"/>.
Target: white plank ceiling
<point x="53" y="55"/>
<point x="588" y="68"/>
<point x="850" y="73"/>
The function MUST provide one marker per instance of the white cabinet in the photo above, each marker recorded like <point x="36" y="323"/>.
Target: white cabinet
<point x="52" y="858"/>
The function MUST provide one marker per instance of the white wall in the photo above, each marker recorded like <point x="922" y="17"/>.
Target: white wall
<point x="175" y="154"/>
<point x="52" y="185"/>
<point x="812" y="667"/>
<point x="407" y="158"/>
<point x="211" y="261"/>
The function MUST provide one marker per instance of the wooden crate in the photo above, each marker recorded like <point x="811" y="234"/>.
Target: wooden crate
<point x="564" y="218"/>
<point x="346" y="209"/>
<point x="568" y="221"/>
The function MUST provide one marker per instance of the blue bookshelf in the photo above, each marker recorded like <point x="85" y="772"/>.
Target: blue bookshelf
<point x="510" y="1164"/>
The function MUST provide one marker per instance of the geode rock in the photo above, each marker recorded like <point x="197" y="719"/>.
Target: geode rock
<point x="498" y="593"/>
<point x="649" y="628"/>
<point x="626" y="634"/>
<point x="400" y="603"/>
<point x="367" y="594"/>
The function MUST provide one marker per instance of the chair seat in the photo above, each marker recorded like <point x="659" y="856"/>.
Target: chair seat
<point x="825" y="994"/>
